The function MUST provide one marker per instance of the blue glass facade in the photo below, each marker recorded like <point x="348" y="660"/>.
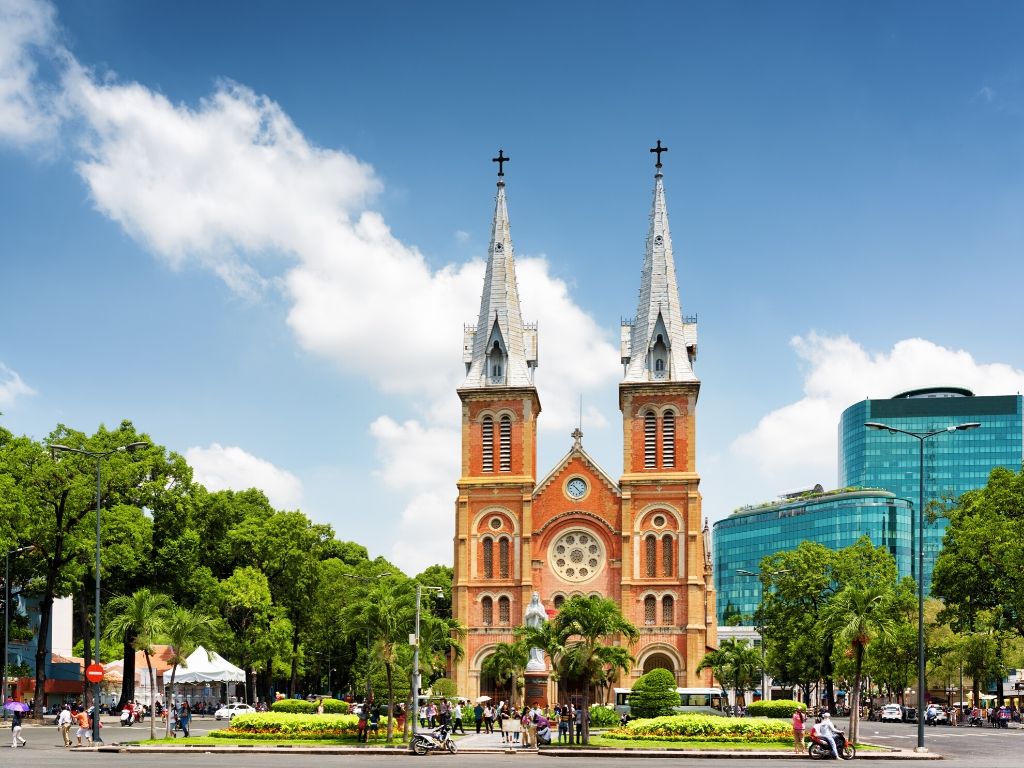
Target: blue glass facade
<point x="954" y="462"/>
<point x="832" y="519"/>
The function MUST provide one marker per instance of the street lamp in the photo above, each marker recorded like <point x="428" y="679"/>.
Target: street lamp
<point x="765" y="690"/>
<point x="415" y="641"/>
<point x="7" y="620"/>
<point x="99" y="456"/>
<point x="921" y="437"/>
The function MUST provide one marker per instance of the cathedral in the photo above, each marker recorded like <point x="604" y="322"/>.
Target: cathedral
<point x="639" y="540"/>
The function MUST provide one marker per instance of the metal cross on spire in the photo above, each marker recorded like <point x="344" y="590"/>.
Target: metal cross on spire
<point x="658" y="150"/>
<point x="500" y="160"/>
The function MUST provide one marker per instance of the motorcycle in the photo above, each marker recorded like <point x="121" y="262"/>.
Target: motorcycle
<point x="819" y="749"/>
<point x="433" y="741"/>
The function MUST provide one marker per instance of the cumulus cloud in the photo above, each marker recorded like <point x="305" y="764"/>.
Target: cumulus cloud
<point x="802" y="435"/>
<point x="226" y="467"/>
<point x="28" y="111"/>
<point x="12" y="387"/>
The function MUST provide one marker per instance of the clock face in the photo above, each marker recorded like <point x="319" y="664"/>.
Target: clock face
<point x="576" y="488"/>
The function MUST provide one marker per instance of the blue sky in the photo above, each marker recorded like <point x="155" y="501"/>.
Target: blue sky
<point x="255" y="229"/>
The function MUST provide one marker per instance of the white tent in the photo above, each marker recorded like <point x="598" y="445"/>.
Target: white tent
<point x="208" y="667"/>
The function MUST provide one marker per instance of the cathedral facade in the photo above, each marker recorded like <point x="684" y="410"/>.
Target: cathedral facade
<point x="575" y="530"/>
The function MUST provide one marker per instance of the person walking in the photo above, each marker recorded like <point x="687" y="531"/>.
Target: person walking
<point x="64" y="725"/>
<point x="185" y="718"/>
<point x="799" y="718"/>
<point x="84" y="727"/>
<point x="16" y="730"/>
<point x="478" y="715"/>
<point x="489" y="718"/>
<point x="457" y="715"/>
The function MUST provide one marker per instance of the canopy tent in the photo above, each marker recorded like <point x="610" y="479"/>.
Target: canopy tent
<point x="204" y="666"/>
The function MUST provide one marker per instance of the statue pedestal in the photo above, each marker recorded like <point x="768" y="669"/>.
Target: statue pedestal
<point x="536" y="691"/>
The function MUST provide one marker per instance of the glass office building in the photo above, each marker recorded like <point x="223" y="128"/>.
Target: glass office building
<point x="835" y="519"/>
<point x="953" y="463"/>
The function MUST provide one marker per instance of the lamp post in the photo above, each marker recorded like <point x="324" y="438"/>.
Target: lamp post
<point x="765" y="691"/>
<point x="7" y="614"/>
<point x="99" y="456"/>
<point x="921" y="437"/>
<point x="415" y="641"/>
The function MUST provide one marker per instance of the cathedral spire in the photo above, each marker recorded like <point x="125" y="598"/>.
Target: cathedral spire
<point x="659" y="344"/>
<point x="500" y="350"/>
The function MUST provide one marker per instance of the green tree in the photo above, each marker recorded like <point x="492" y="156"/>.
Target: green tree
<point x="734" y="664"/>
<point x="508" y="664"/>
<point x="185" y="630"/>
<point x="255" y="625"/>
<point x="654" y="694"/>
<point x="140" y="617"/>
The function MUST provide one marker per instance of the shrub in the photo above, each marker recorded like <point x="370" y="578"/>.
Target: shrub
<point x="654" y="694"/>
<point x="281" y="726"/>
<point x="444" y="686"/>
<point x="693" y="727"/>
<point x="602" y="716"/>
<point x="776" y="708"/>
<point x="294" y="706"/>
<point x="334" y="707"/>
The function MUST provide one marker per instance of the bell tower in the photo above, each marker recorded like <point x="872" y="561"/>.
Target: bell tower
<point x="500" y="406"/>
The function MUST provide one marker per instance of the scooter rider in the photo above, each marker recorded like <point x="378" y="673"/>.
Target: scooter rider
<point x="827" y="731"/>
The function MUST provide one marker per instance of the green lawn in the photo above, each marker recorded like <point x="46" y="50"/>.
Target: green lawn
<point x="603" y="741"/>
<point x="205" y="741"/>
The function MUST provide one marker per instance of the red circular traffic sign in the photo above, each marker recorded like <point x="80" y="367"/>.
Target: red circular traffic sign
<point x="94" y="673"/>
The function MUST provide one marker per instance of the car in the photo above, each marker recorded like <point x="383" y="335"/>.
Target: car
<point x="892" y="713"/>
<point x="909" y="715"/>
<point x="228" y="712"/>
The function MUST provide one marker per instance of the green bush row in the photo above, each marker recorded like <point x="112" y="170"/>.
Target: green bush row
<point x="303" y="707"/>
<point x="775" y="708"/>
<point x="603" y="716"/>
<point x="705" y="728"/>
<point x="291" y="725"/>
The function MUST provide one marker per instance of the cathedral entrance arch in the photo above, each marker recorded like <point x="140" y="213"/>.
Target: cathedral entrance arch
<point x="659" y="661"/>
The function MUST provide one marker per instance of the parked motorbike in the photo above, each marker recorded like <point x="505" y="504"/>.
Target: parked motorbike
<point x="433" y="741"/>
<point x="819" y="749"/>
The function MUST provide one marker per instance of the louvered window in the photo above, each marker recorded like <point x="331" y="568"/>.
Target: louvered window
<point x="668" y="610"/>
<point x="488" y="558"/>
<point x="503" y="559"/>
<point x="650" y="440"/>
<point x="668" y="439"/>
<point x="506" y="444"/>
<point x="487" y="611"/>
<point x="488" y="444"/>
<point x="650" y="606"/>
<point x="651" y="545"/>
<point x="666" y="555"/>
<point x="504" y="611"/>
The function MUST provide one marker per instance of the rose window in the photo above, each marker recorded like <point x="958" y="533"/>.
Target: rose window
<point x="576" y="556"/>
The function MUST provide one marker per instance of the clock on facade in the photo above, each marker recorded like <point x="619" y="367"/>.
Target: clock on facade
<point x="576" y="488"/>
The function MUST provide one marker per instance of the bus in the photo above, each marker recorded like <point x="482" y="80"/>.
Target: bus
<point x="707" y="700"/>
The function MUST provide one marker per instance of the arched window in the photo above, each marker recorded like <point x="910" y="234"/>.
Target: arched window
<point x="651" y="546"/>
<point x="503" y="559"/>
<point x="668" y="439"/>
<point x="666" y="555"/>
<point x="506" y="444"/>
<point x="487" y="434"/>
<point x="650" y="604"/>
<point x="488" y="558"/>
<point x="650" y="439"/>
<point x="559" y="599"/>
<point x="487" y="611"/>
<point x="659" y="364"/>
<point x="504" y="611"/>
<point x="668" y="610"/>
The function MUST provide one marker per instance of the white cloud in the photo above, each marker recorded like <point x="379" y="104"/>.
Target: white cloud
<point x="223" y="467"/>
<point x="986" y="92"/>
<point x="12" y="387"/>
<point x="27" y="109"/>
<point x="802" y="436"/>
<point x="462" y="235"/>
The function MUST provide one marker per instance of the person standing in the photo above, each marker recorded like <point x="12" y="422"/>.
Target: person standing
<point x="527" y="722"/>
<point x="185" y="718"/>
<point x="799" y="718"/>
<point x="489" y="718"/>
<point x="64" y="725"/>
<point x="478" y="715"/>
<point x="563" y="724"/>
<point x="16" y="730"/>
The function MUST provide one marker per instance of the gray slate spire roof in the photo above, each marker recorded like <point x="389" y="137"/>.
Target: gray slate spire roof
<point x="500" y="350"/>
<point x="660" y="344"/>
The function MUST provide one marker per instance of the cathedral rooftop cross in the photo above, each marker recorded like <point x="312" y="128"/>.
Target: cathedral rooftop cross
<point x="500" y="160"/>
<point x="658" y="150"/>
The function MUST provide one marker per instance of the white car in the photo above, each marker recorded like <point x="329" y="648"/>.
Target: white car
<point x="892" y="713"/>
<point x="228" y="712"/>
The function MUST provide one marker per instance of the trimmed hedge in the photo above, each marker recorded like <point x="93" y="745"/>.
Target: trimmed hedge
<point x="654" y="695"/>
<point x="705" y="728"/>
<point x="334" y="707"/>
<point x="303" y="707"/>
<point x="775" y="708"/>
<point x="602" y="716"/>
<point x="287" y="725"/>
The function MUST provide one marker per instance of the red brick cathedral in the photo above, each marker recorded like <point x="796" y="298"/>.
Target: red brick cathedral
<point x="575" y="530"/>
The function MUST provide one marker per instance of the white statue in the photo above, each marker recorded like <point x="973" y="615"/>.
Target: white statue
<point x="535" y="617"/>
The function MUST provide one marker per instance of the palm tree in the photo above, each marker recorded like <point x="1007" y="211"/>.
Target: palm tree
<point x="137" y="619"/>
<point x="508" y="663"/>
<point x="575" y="643"/>
<point x="185" y="630"/>
<point x="733" y="664"/>
<point x="855" y="617"/>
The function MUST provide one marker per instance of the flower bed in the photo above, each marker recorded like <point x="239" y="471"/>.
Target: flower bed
<point x="704" y="728"/>
<point x="285" y="725"/>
